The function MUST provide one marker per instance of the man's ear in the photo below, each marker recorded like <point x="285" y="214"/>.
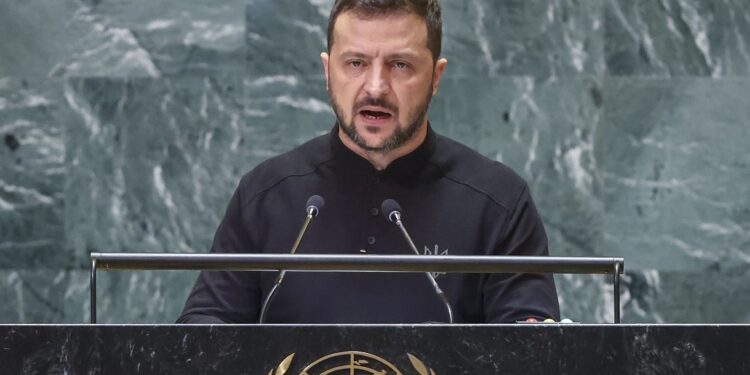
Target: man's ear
<point x="439" y="70"/>
<point x="324" y="59"/>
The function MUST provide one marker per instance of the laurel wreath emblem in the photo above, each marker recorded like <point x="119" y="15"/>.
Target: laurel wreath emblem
<point x="283" y="366"/>
<point x="418" y="365"/>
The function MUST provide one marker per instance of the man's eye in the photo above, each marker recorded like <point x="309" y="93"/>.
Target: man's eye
<point x="400" y="65"/>
<point x="355" y="64"/>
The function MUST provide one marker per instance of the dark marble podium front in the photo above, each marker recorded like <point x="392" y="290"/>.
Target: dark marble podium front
<point x="359" y="349"/>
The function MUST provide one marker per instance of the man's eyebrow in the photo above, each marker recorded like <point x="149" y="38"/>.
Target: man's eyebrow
<point x="405" y="55"/>
<point x="348" y="54"/>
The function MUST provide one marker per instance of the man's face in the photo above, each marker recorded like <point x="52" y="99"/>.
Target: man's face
<point x="381" y="76"/>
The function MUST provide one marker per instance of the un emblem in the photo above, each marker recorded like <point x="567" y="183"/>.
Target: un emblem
<point x="352" y="363"/>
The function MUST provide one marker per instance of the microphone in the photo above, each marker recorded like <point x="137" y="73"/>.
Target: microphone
<point x="312" y="208"/>
<point x="314" y="204"/>
<point x="392" y="211"/>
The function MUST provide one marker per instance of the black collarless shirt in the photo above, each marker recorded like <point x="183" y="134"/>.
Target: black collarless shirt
<point x="454" y="202"/>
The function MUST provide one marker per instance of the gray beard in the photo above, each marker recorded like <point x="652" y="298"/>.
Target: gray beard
<point x="399" y="136"/>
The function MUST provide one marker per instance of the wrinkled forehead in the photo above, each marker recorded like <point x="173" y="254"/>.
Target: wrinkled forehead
<point x="396" y="29"/>
<point x="370" y="13"/>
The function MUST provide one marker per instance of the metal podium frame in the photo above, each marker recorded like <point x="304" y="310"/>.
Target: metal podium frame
<point x="362" y="263"/>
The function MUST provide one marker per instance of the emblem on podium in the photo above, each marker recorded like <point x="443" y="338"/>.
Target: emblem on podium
<point x="352" y="363"/>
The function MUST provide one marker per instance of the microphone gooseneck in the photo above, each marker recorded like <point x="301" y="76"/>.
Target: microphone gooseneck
<point x="392" y="211"/>
<point x="312" y="208"/>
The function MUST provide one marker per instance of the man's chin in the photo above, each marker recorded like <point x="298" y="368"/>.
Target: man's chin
<point x="371" y="144"/>
<point x="374" y="129"/>
<point x="369" y="138"/>
<point x="377" y="139"/>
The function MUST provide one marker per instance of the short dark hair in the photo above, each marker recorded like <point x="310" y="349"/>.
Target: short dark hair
<point x="429" y="10"/>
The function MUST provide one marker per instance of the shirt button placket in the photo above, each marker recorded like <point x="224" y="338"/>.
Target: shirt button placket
<point x="374" y="193"/>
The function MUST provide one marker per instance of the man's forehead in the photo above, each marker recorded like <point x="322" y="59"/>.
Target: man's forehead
<point x="400" y="29"/>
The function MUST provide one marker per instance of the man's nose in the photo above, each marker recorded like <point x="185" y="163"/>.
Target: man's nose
<point x="377" y="84"/>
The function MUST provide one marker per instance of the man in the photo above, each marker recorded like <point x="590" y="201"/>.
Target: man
<point x="382" y="69"/>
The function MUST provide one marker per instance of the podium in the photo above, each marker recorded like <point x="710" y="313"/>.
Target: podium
<point x="438" y="349"/>
<point x="365" y="349"/>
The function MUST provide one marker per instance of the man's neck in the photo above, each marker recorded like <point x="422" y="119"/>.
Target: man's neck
<point x="381" y="160"/>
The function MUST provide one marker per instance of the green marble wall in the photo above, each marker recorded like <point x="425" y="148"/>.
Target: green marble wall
<point x="127" y="124"/>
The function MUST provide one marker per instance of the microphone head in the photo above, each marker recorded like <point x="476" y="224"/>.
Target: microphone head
<point x="314" y="204"/>
<point x="391" y="210"/>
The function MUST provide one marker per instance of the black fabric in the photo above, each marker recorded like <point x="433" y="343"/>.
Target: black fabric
<point x="454" y="202"/>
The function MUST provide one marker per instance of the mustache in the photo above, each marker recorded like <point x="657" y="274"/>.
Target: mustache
<point x="375" y="102"/>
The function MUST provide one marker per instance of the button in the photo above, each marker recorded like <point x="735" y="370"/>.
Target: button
<point x="374" y="211"/>
<point x="371" y="240"/>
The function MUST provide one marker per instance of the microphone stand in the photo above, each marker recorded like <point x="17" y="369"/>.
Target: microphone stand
<point x="312" y="211"/>
<point x="395" y="216"/>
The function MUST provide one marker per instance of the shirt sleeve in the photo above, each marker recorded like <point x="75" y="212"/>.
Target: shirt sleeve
<point x="514" y="297"/>
<point x="226" y="296"/>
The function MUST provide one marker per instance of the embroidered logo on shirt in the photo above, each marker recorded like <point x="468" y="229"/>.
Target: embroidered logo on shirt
<point x="435" y="251"/>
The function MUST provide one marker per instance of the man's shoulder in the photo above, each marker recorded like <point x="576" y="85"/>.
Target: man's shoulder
<point x="489" y="178"/>
<point x="301" y="161"/>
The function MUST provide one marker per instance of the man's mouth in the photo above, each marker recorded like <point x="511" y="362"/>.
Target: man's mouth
<point x="375" y="115"/>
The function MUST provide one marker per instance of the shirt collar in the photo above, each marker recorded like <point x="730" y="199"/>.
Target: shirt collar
<point x="406" y="165"/>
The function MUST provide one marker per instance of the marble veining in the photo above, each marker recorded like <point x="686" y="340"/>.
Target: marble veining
<point x="126" y="126"/>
